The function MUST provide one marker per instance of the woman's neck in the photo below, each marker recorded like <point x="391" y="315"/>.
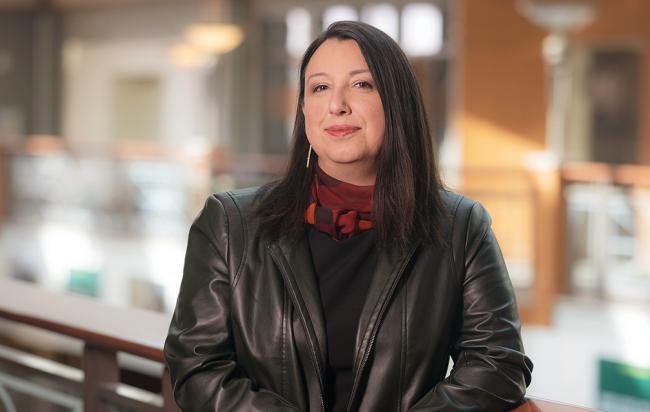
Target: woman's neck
<point x="351" y="174"/>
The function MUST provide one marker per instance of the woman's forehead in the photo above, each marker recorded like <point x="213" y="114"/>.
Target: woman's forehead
<point x="336" y="56"/>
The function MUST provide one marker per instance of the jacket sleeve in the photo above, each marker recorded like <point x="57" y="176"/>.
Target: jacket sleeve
<point x="199" y="349"/>
<point x="490" y="370"/>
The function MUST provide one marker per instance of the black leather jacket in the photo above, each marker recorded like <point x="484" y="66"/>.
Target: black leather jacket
<point x="248" y="331"/>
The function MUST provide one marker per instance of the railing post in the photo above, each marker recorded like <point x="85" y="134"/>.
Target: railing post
<point x="4" y="183"/>
<point x="549" y="241"/>
<point x="99" y="367"/>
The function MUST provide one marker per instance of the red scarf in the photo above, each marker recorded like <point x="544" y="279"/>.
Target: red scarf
<point x="338" y="208"/>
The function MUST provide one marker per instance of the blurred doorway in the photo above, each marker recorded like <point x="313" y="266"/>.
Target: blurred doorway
<point x="136" y="108"/>
<point x="606" y="106"/>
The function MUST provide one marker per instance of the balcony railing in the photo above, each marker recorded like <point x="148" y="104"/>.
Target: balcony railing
<point x="608" y="232"/>
<point x="28" y="378"/>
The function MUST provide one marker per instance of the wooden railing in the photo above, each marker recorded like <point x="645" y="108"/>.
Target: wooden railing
<point x="540" y="405"/>
<point x="592" y="172"/>
<point x="104" y="330"/>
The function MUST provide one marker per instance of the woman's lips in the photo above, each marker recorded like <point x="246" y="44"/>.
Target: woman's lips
<point x="342" y="130"/>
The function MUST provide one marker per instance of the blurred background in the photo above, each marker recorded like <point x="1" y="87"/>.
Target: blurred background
<point x="119" y="117"/>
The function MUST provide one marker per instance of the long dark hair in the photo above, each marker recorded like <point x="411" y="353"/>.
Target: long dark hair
<point x="407" y="199"/>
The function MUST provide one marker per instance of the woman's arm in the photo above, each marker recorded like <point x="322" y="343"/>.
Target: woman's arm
<point x="199" y="348"/>
<point x="490" y="372"/>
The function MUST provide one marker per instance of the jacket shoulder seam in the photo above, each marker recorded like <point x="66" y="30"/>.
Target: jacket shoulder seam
<point x="212" y="232"/>
<point x="479" y="239"/>
<point x="244" y="229"/>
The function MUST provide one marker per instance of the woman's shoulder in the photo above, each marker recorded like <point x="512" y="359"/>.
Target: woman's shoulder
<point x="228" y="214"/>
<point x="468" y="217"/>
<point x="463" y="207"/>
<point x="241" y="201"/>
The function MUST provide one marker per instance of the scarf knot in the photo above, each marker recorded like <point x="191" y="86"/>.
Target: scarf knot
<point x="338" y="208"/>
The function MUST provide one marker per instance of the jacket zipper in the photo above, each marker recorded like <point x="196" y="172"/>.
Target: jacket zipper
<point x="313" y="353"/>
<point x="371" y="342"/>
<point x="314" y="358"/>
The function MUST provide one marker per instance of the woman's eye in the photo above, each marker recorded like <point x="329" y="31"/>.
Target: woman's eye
<point x="319" y="88"/>
<point x="363" y="85"/>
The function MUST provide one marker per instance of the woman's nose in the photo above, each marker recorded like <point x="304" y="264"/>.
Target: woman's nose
<point x="339" y="103"/>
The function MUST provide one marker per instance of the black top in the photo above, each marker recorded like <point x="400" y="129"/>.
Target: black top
<point x="344" y="269"/>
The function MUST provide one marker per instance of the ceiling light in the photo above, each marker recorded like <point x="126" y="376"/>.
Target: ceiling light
<point x="186" y="56"/>
<point x="214" y="38"/>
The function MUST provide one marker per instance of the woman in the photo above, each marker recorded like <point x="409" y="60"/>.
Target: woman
<point x="350" y="283"/>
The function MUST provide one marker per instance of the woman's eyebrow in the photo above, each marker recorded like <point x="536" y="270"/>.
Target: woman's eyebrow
<point x="316" y="74"/>
<point x="352" y="73"/>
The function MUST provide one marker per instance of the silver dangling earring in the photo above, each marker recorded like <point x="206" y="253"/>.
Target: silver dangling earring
<point x="308" y="156"/>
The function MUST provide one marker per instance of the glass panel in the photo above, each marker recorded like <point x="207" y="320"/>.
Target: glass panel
<point x="298" y="31"/>
<point x="112" y="229"/>
<point x="338" y="13"/>
<point x="608" y="241"/>
<point x="422" y="29"/>
<point x="383" y="16"/>
<point x="17" y="394"/>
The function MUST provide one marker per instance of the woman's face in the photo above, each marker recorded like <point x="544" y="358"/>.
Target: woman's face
<point x="344" y="117"/>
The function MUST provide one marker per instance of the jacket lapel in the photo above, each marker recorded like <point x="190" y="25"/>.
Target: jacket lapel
<point x="295" y="264"/>
<point x="391" y="264"/>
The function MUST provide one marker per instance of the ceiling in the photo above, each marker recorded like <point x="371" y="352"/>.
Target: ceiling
<point x="16" y="5"/>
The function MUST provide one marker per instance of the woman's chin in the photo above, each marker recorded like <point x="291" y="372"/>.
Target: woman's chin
<point x="343" y="164"/>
